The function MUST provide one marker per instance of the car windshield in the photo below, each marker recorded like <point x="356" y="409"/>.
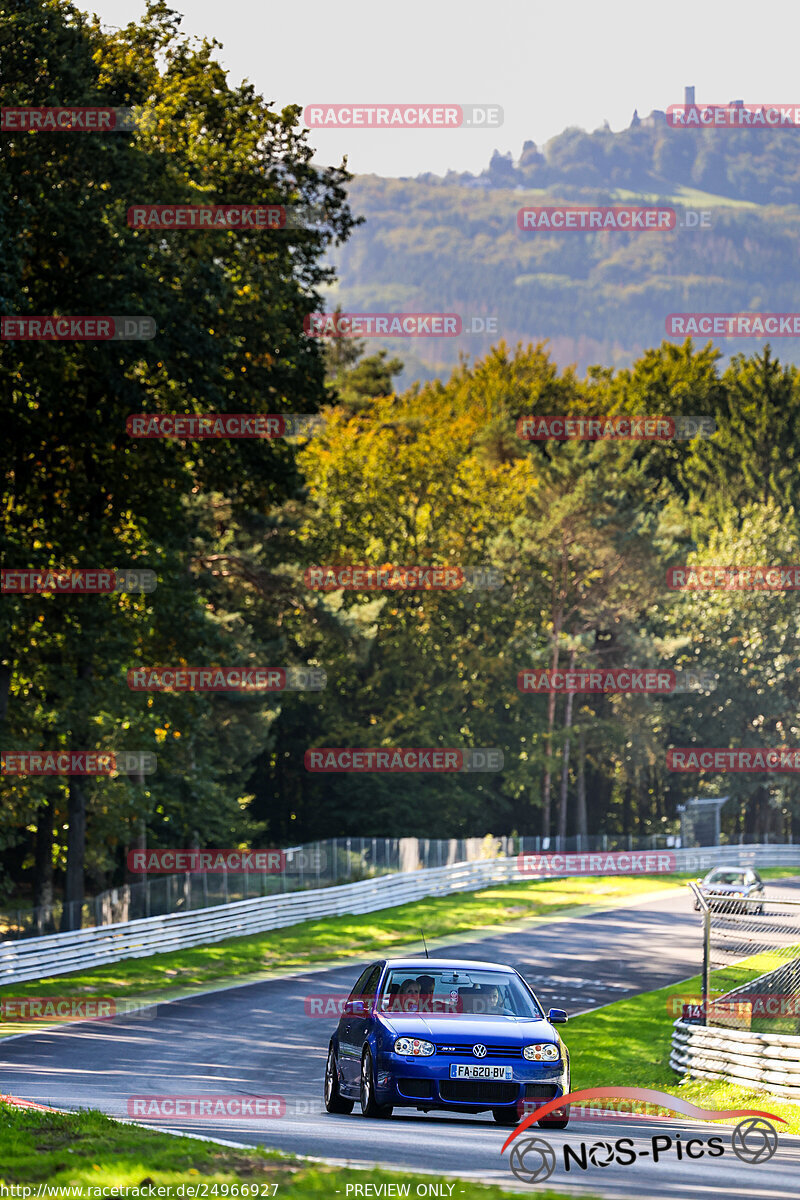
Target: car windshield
<point x="727" y="877"/>
<point x="457" y="993"/>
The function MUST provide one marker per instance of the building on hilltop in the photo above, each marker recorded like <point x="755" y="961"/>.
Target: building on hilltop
<point x="658" y="116"/>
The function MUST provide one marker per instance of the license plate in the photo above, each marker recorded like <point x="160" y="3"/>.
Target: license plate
<point x="479" y="1071"/>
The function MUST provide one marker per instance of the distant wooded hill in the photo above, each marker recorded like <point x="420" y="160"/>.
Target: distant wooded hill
<point x="452" y="244"/>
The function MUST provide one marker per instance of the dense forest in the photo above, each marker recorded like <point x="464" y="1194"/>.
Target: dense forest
<point x="580" y="534"/>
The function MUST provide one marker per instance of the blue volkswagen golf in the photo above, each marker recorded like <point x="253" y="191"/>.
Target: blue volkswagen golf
<point x="431" y="1033"/>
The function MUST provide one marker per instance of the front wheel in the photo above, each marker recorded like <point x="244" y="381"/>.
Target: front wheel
<point x="334" y="1102"/>
<point x="555" y="1124"/>
<point x="369" y="1105"/>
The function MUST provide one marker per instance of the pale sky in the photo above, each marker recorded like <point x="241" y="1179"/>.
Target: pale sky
<point x="549" y="65"/>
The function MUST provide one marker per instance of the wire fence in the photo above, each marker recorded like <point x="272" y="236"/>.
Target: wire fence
<point x="751" y="963"/>
<point x="313" y="865"/>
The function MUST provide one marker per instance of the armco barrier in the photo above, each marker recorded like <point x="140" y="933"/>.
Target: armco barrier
<point x="60" y="953"/>
<point x="770" y="1060"/>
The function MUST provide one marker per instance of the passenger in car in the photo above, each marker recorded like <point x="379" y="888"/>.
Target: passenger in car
<point x="408" y="997"/>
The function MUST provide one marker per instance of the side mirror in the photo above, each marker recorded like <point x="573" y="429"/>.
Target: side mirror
<point x="355" y="1008"/>
<point x="557" y="1016"/>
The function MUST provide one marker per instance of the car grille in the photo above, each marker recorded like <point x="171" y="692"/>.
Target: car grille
<point x="540" y="1091"/>
<point x="466" y="1048"/>
<point x="478" y="1091"/>
<point x="420" y="1089"/>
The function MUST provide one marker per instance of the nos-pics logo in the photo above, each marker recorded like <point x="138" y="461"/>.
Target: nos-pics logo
<point x="533" y="1159"/>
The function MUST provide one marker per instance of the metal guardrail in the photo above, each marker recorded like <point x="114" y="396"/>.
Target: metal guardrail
<point x="61" y="953"/>
<point x="770" y="1060"/>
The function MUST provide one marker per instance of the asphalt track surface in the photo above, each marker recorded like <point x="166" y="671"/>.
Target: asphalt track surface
<point x="258" y="1040"/>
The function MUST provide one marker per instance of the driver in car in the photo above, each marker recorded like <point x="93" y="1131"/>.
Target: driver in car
<point x="494" y="1001"/>
<point x="426" y="984"/>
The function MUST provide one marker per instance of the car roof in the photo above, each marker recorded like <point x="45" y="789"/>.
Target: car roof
<point x="731" y="868"/>
<point x="448" y="964"/>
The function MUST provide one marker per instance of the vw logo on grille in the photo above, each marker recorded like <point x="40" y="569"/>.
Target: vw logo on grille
<point x="479" y="1051"/>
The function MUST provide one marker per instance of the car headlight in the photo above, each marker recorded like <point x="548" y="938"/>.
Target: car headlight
<point x="414" y="1046"/>
<point x="542" y="1052"/>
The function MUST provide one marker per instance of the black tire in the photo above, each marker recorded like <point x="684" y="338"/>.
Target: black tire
<point x="334" y="1102"/>
<point x="555" y="1124"/>
<point x="369" y="1106"/>
<point x="505" y="1116"/>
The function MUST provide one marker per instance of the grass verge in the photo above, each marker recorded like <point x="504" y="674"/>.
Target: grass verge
<point x="89" y="1151"/>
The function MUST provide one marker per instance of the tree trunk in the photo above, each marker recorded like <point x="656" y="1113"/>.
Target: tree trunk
<point x="138" y="842"/>
<point x="548" y="741"/>
<point x="580" y="807"/>
<point x="562" y="807"/>
<point x="5" y="686"/>
<point x="627" y="803"/>
<point x="76" y="816"/>
<point x="43" y="869"/>
<point x="76" y="854"/>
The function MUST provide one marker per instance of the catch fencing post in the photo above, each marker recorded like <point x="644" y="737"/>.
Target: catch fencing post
<point x="706" y="911"/>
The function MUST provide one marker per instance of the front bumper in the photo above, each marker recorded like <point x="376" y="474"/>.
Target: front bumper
<point x="406" y="1081"/>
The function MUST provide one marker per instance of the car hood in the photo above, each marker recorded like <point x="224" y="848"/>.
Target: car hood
<point x="511" y="1031"/>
